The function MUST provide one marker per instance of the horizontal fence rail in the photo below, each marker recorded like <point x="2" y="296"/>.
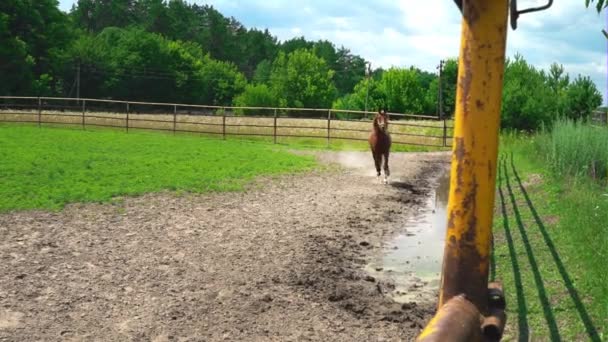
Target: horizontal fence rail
<point x="270" y="122"/>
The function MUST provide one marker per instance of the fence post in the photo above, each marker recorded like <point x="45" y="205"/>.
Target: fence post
<point x="328" y="126"/>
<point x="174" y="117"/>
<point x="223" y="123"/>
<point x="127" y="126"/>
<point x="275" y="126"/>
<point x="39" y="111"/>
<point x="445" y="133"/>
<point x="83" y="109"/>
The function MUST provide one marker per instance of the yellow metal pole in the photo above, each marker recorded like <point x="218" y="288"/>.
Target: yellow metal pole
<point x="458" y="320"/>
<point x="474" y="152"/>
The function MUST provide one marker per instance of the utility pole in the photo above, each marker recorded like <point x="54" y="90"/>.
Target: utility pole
<point x="78" y="83"/>
<point x="440" y="90"/>
<point x="368" y="72"/>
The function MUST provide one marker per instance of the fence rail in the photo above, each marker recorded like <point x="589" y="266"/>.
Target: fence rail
<point x="312" y="123"/>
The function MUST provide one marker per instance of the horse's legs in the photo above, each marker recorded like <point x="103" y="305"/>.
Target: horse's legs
<point x="387" y="172"/>
<point x="377" y="162"/>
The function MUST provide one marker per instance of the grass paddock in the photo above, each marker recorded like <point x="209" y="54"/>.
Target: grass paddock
<point x="45" y="168"/>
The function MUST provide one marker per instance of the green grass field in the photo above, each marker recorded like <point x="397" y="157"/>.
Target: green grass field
<point x="551" y="247"/>
<point x="45" y="168"/>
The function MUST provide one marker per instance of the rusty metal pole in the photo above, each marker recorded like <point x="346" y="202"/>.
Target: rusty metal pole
<point x="39" y="111"/>
<point x="127" y="121"/>
<point x="223" y="123"/>
<point x="274" y="132"/>
<point x="84" y="108"/>
<point x="328" y="127"/>
<point x="174" y="118"/>
<point x="474" y="152"/>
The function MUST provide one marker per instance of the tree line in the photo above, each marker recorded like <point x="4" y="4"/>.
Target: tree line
<point x="174" y="51"/>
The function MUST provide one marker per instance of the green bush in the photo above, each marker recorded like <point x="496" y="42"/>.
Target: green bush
<point x="258" y="95"/>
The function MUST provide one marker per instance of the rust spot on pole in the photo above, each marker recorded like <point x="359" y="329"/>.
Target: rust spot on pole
<point x="471" y="12"/>
<point x="465" y="80"/>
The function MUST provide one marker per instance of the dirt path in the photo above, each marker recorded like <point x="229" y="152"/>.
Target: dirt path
<point x="282" y="261"/>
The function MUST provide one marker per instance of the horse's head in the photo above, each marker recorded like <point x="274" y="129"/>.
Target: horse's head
<point x="381" y="120"/>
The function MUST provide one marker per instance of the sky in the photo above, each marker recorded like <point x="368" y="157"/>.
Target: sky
<point x="420" y="33"/>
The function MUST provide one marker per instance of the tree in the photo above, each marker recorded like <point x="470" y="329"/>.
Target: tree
<point x="262" y="72"/>
<point x="558" y="81"/>
<point x="402" y="90"/>
<point x="582" y="97"/>
<point x="297" y="43"/>
<point x="600" y="5"/>
<point x="449" y="82"/>
<point x="95" y="15"/>
<point x="527" y="100"/>
<point x="33" y="36"/>
<point x="350" y="70"/>
<point x="256" y="95"/>
<point x="301" y="79"/>
<point x="369" y="89"/>
<point x="257" y="47"/>
<point x="138" y="65"/>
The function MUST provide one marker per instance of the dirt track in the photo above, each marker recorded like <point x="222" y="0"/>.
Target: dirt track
<point x="282" y="261"/>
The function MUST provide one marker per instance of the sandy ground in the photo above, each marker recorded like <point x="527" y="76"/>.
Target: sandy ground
<point x="282" y="261"/>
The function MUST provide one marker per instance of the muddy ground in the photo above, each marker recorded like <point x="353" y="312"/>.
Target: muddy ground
<point x="282" y="261"/>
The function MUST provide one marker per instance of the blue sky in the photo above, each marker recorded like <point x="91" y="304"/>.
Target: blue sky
<point x="420" y="33"/>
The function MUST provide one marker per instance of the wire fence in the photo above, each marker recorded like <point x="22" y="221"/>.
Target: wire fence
<point x="270" y="122"/>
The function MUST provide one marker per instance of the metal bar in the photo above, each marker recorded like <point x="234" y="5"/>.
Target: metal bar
<point x="105" y="117"/>
<point x="275" y="126"/>
<point x="292" y="127"/>
<point x="445" y="133"/>
<point x="131" y="119"/>
<point x="39" y="111"/>
<point x="474" y="152"/>
<point x="217" y="107"/>
<point x="328" y="126"/>
<point x="75" y="115"/>
<point x="397" y="123"/>
<point x="83" y="111"/>
<point x="456" y="320"/>
<point x="174" y="118"/>
<point x="259" y="126"/>
<point x="223" y="124"/>
<point x="127" y="122"/>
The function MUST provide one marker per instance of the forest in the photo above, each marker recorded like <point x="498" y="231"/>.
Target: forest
<point x="174" y="51"/>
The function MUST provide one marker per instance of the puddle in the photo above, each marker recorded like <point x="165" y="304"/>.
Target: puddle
<point x="412" y="260"/>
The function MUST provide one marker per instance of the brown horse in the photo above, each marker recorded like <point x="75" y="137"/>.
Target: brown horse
<point x="380" y="143"/>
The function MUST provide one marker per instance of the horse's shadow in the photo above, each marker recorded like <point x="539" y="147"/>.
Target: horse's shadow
<point x="407" y="186"/>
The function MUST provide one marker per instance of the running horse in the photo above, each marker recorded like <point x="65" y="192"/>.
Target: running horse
<point x="380" y="143"/>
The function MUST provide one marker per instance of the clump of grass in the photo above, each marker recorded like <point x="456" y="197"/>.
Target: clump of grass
<point x="576" y="149"/>
<point x="46" y="168"/>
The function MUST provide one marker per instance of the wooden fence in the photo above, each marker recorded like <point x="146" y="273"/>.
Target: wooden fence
<point x="599" y="117"/>
<point x="275" y="123"/>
